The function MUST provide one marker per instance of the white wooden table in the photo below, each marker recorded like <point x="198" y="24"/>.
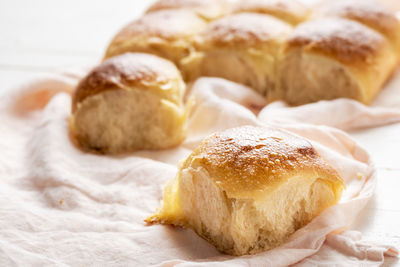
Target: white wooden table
<point x="45" y="36"/>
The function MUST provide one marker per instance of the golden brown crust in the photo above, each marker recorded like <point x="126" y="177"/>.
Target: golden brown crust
<point x="290" y="11"/>
<point x="247" y="159"/>
<point x="161" y="27"/>
<point x="166" y="24"/>
<point x="347" y="41"/>
<point x="245" y="30"/>
<point x="206" y="8"/>
<point x="367" y="12"/>
<point x="128" y="70"/>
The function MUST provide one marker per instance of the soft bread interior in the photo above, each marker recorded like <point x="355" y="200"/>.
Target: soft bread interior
<point x="244" y="226"/>
<point x="252" y="68"/>
<point x="307" y="77"/>
<point x="121" y="120"/>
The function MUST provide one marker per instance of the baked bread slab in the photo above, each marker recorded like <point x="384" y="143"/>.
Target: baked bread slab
<point x="247" y="189"/>
<point x="129" y="102"/>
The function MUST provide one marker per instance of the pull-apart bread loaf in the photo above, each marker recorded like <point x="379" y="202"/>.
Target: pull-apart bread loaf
<point x="247" y="189"/>
<point x="166" y="33"/>
<point x="281" y="48"/>
<point x="129" y="102"/>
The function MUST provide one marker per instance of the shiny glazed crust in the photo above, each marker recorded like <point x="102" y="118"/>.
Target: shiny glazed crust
<point x="246" y="160"/>
<point x="130" y="70"/>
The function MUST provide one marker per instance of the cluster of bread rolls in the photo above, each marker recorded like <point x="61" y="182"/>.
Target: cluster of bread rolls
<point x="281" y="48"/>
<point x="246" y="189"/>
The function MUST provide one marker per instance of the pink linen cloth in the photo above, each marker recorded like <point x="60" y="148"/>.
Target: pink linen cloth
<point x="60" y="206"/>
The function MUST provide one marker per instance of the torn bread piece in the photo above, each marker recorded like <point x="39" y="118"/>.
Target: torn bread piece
<point x="247" y="189"/>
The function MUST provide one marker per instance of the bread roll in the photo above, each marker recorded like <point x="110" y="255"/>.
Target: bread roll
<point x="243" y="48"/>
<point x="247" y="189"/>
<point x="129" y="102"/>
<point x="207" y="9"/>
<point x="290" y="11"/>
<point x="367" y="12"/>
<point x="166" y="33"/>
<point x="333" y="58"/>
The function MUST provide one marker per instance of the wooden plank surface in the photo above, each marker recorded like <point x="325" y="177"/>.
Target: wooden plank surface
<point x="45" y="36"/>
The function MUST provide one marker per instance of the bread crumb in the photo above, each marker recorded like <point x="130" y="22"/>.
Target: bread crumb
<point x="359" y="175"/>
<point x="61" y="201"/>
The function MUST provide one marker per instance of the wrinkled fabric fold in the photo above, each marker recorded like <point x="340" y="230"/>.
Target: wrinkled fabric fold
<point x="61" y="206"/>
